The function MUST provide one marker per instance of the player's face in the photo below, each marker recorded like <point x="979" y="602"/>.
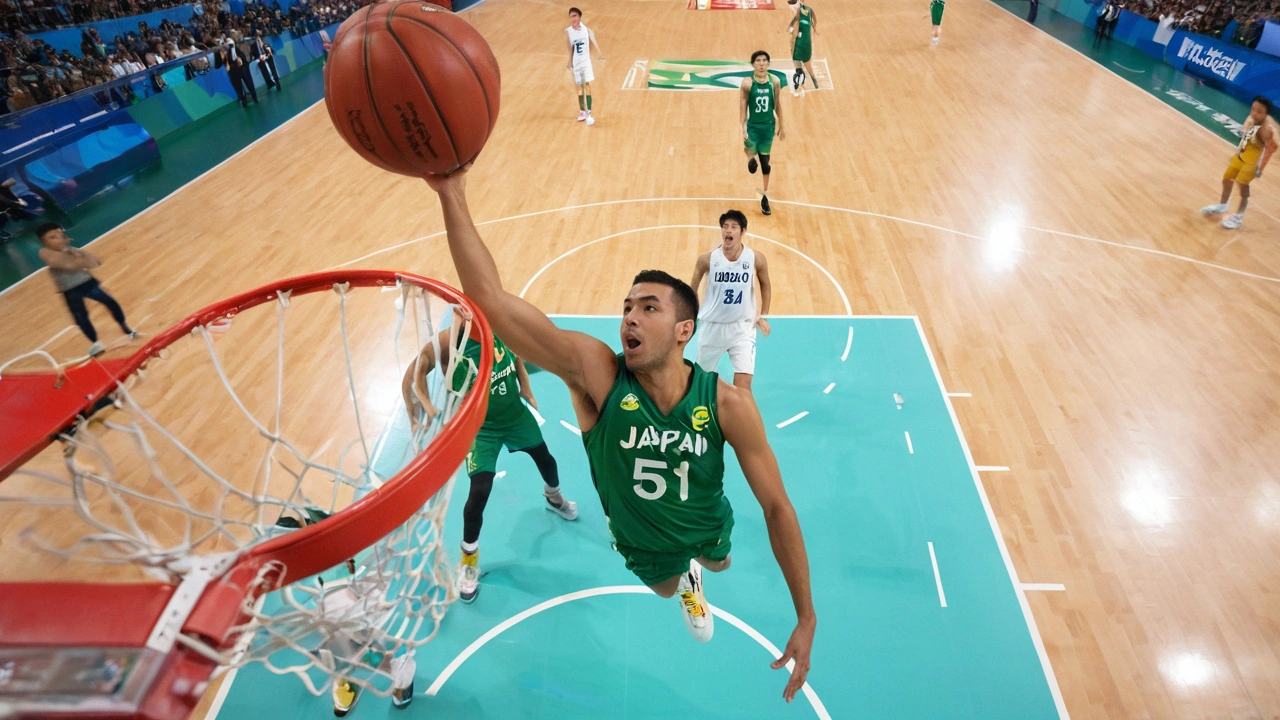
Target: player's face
<point x="761" y="64"/>
<point x="731" y="235"/>
<point x="55" y="239"/>
<point x="650" y="332"/>
<point x="1258" y="113"/>
<point x="575" y="20"/>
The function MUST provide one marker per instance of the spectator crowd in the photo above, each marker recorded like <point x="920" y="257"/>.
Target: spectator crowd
<point x="33" y="71"/>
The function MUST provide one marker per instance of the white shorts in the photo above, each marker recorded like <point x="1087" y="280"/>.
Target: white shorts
<point x="582" y="73"/>
<point x="736" y="338"/>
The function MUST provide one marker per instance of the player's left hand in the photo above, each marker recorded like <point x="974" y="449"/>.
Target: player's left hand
<point x="797" y="649"/>
<point x="781" y="135"/>
<point x="528" y="397"/>
<point x="763" y="325"/>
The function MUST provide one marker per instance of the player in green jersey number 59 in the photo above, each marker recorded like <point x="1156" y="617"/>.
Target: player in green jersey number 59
<point x="654" y="426"/>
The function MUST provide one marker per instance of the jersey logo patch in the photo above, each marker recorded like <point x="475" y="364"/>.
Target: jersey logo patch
<point x="701" y="416"/>
<point x="630" y="402"/>
<point x="498" y="354"/>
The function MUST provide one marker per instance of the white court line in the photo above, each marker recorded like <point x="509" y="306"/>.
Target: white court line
<point x="785" y="423"/>
<point x="828" y="390"/>
<point x="510" y="622"/>
<point x="910" y="449"/>
<point x="796" y="203"/>
<point x="847" y="344"/>
<point x="991" y="468"/>
<point x="999" y="537"/>
<point x="951" y="394"/>
<point x="843" y="297"/>
<point x="541" y="420"/>
<point x="1043" y="587"/>
<point x="937" y="577"/>
<point x="221" y="697"/>
<point x="157" y="203"/>
<point x="571" y="428"/>
<point x="60" y="333"/>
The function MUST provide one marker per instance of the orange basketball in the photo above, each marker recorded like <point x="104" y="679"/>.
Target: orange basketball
<point x="412" y="87"/>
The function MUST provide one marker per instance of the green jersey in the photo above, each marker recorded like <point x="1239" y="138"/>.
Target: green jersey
<point x="504" y="386"/>
<point x="760" y="102"/>
<point x="804" y="32"/>
<point x="660" y="477"/>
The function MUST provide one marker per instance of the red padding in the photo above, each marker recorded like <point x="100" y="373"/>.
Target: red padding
<point x="33" y="409"/>
<point x="79" y="615"/>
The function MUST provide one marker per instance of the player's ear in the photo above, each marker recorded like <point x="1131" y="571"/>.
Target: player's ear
<point x="684" y="330"/>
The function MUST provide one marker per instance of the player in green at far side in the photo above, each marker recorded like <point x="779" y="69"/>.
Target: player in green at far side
<point x="654" y="426"/>
<point x="804" y="25"/>
<point x="760" y="117"/>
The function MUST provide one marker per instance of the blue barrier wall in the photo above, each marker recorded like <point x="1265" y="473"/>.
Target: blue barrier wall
<point x="1237" y="70"/>
<point x="69" y="38"/>
<point x="1241" y="71"/>
<point x="70" y="150"/>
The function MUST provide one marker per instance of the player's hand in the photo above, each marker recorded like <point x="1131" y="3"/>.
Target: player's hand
<point x="781" y="135"/>
<point x="744" y="132"/>
<point x="528" y="397"/>
<point x="457" y="180"/>
<point x="1258" y="174"/>
<point x="798" y="650"/>
<point x="763" y="325"/>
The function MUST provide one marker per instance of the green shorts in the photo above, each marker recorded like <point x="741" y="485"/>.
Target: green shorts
<point x="518" y="433"/>
<point x="802" y="52"/>
<point x="935" y="8"/>
<point x="654" y="568"/>
<point x="759" y="139"/>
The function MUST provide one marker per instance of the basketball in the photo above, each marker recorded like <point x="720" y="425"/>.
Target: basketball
<point x="412" y="87"/>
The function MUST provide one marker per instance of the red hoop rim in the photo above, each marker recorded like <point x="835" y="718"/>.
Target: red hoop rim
<point x="33" y="614"/>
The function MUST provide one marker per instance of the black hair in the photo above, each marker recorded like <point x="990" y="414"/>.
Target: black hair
<point x="734" y="215"/>
<point x="1270" y="106"/>
<point x="46" y="228"/>
<point x="757" y="54"/>
<point x="686" y="299"/>
<point x="573" y="10"/>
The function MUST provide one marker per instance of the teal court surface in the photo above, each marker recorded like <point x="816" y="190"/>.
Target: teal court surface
<point x="918" y="614"/>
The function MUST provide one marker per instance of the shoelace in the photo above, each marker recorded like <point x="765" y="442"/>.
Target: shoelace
<point x="691" y="604"/>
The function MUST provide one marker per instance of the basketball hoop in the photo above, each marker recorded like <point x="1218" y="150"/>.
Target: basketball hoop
<point x="321" y="558"/>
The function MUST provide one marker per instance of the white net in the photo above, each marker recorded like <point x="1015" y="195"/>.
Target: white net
<point x="249" y="429"/>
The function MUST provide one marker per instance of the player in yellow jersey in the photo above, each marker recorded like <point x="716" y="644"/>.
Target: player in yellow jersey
<point x="1258" y="142"/>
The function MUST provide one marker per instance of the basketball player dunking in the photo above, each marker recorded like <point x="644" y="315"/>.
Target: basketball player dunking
<point x="580" y="39"/>
<point x="728" y="316"/>
<point x="654" y="426"/>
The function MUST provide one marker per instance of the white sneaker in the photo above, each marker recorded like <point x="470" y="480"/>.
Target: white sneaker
<point x="697" y="613"/>
<point x="469" y="581"/>
<point x="591" y="120"/>
<point x="1213" y="209"/>
<point x="403" y="669"/>
<point x="567" y="509"/>
<point x="582" y="115"/>
<point x="933" y="41"/>
<point x="1233" y="221"/>
<point x="97" y="349"/>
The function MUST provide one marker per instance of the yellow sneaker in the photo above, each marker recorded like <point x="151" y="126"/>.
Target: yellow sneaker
<point x="469" y="577"/>
<point x="697" y="613"/>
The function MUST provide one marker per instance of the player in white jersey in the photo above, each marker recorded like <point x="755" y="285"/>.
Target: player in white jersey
<point x="728" y="319"/>
<point x="579" y="40"/>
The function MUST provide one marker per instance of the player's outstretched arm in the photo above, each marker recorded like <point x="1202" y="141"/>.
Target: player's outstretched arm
<point x="700" y="270"/>
<point x="744" y="430"/>
<point x="584" y="363"/>
<point x="414" y="385"/>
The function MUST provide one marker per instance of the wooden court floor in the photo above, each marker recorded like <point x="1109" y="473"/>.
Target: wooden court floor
<point x="1037" y="212"/>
